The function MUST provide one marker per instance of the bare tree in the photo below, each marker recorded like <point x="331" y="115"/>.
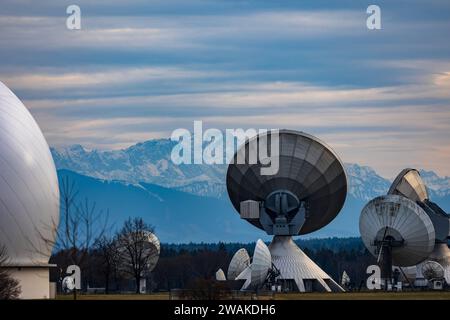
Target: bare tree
<point x="9" y="287"/>
<point x="136" y="254"/>
<point x="81" y="223"/>
<point x="109" y="253"/>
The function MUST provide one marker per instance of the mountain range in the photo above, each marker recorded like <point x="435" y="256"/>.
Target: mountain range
<point x="189" y="203"/>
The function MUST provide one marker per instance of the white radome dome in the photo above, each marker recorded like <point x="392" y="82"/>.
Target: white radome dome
<point x="29" y="193"/>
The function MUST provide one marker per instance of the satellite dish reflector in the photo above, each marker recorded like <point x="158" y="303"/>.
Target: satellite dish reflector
<point x="151" y="248"/>
<point x="68" y="284"/>
<point x="261" y="264"/>
<point x="247" y="276"/>
<point x="408" y="273"/>
<point x="398" y="220"/>
<point x="154" y="246"/>
<point x="345" y="281"/>
<point x="410" y="185"/>
<point x="310" y="174"/>
<point x="432" y="270"/>
<point x="220" y="275"/>
<point x="239" y="262"/>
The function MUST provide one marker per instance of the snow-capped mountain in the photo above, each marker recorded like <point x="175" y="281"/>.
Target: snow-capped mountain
<point x="437" y="186"/>
<point x="364" y="182"/>
<point x="189" y="202"/>
<point x="150" y="162"/>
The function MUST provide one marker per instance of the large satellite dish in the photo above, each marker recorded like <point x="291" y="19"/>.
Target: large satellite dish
<point x="310" y="173"/>
<point x="305" y="194"/>
<point x="396" y="223"/>
<point x="409" y="184"/>
<point x="261" y="263"/>
<point x="411" y="243"/>
<point x="220" y="275"/>
<point x="239" y="262"/>
<point x="68" y="284"/>
<point x="154" y="247"/>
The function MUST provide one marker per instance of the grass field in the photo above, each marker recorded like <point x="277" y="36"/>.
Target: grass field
<point x="434" y="295"/>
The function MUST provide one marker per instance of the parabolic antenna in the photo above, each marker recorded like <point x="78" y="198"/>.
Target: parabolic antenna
<point x="310" y="176"/>
<point x="410" y="185"/>
<point x="68" y="284"/>
<point x="239" y="262"/>
<point x="409" y="243"/>
<point x="400" y="224"/>
<point x="256" y="273"/>
<point x="154" y="247"/>
<point x="432" y="270"/>
<point x="220" y="275"/>
<point x="261" y="264"/>
<point x="149" y="249"/>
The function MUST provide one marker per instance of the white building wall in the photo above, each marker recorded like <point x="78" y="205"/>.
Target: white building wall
<point x="34" y="282"/>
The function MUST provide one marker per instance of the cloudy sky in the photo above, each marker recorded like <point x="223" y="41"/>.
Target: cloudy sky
<point x="140" y="69"/>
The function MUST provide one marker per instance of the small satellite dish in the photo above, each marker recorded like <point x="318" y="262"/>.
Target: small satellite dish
<point x="411" y="240"/>
<point x="304" y="195"/>
<point x="432" y="270"/>
<point x="220" y="275"/>
<point x="239" y="262"/>
<point x="256" y="273"/>
<point x="409" y="184"/>
<point x="399" y="225"/>
<point x="68" y="284"/>
<point x="151" y="249"/>
<point x="345" y="281"/>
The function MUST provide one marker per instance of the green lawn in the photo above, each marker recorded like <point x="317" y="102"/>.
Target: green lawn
<point x="432" y="295"/>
